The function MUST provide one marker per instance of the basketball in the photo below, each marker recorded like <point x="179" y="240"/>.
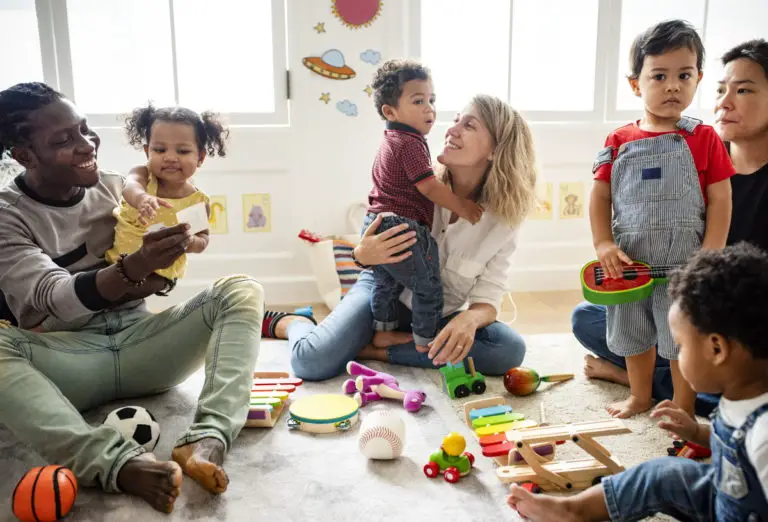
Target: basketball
<point x="44" y="494"/>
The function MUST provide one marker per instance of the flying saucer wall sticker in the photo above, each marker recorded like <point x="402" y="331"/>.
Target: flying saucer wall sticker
<point x="356" y="13"/>
<point x="330" y="65"/>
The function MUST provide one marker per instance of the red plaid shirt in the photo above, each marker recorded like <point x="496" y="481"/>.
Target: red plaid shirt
<point x="403" y="161"/>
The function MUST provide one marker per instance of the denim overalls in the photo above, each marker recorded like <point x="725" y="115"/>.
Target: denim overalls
<point x="738" y="492"/>
<point x="727" y="489"/>
<point x="659" y="218"/>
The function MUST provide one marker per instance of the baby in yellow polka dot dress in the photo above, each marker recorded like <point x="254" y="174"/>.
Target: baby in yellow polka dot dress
<point x="176" y="141"/>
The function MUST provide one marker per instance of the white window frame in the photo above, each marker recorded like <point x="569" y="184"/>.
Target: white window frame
<point x="53" y="29"/>
<point x="612" y="113"/>
<point x="604" y="41"/>
<point x="606" y="68"/>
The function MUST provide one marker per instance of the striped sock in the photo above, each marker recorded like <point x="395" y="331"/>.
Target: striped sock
<point x="271" y="318"/>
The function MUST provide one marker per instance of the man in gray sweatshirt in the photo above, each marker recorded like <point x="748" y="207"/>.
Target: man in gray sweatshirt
<point x="85" y="336"/>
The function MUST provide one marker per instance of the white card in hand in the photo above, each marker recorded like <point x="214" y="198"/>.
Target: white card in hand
<point x="195" y="216"/>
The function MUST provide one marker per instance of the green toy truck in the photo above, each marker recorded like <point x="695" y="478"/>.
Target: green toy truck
<point x="459" y="383"/>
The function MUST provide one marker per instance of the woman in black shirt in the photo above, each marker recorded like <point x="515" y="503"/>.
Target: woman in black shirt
<point x="742" y="122"/>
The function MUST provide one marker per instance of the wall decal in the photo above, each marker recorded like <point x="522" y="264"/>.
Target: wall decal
<point x="325" y="97"/>
<point x="370" y="56"/>
<point x="347" y="107"/>
<point x="368" y="90"/>
<point x="319" y="28"/>
<point x="572" y="200"/>
<point x="219" y="217"/>
<point x="257" y="210"/>
<point x="543" y="209"/>
<point x="356" y="13"/>
<point x="330" y="65"/>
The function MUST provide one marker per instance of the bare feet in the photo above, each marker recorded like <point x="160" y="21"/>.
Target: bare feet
<point x="387" y="339"/>
<point x="159" y="483"/>
<point x="539" y="508"/>
<point x="629" y="407"/>
<point x="597" y="368"/>
<point x="202" y="461"/>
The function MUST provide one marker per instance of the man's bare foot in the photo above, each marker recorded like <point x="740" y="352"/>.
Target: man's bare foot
<point x="202" y="461"/>
<point x="159" y="483"/>
<point x="372" y="353"/>
<point x="540" y="508"/>
<point x="629" y="407"/>
<point x="387" y="339"/>
<point x="597" y="368"/>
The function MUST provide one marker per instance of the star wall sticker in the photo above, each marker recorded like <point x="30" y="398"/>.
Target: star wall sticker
<point x="325" y="97"/>
<point x="320" y="27"/>
<point x="368" y="90"/>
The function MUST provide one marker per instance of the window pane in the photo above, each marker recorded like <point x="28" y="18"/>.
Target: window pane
<point x="212" y="75"/>
<point x="121" y="54"/>
<point x="729" y="23"/>
<point x="466" y="45"/>
<point x="545" y="75"/>
<point x="18" y="31"/>
<point x="636" y="17"/>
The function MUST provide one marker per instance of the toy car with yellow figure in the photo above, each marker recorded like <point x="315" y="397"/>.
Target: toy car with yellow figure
<point x="451" y="460"/>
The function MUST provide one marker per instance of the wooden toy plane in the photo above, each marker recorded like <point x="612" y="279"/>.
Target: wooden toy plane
<point x="269" y="394"/>
<point x="564" y="475"/>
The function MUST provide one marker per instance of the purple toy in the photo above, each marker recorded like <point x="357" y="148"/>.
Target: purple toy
<point x="371" y="385"/>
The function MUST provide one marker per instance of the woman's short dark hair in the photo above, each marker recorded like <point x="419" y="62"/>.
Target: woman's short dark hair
<point x="755" y="50"/>
<point x="661" y="38"/>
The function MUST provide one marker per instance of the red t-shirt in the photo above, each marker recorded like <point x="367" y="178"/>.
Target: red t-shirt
<point x="708" y="150"/>
<point x="403" y="162"/>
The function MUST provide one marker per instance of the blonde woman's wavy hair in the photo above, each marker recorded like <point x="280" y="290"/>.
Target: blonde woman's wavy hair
<point x="508" y="188"/>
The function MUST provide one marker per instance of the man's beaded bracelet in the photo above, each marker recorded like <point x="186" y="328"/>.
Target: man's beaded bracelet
<point x="127" y="280"/>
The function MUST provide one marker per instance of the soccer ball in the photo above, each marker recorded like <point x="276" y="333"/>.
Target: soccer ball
<point x="136" y="423"/>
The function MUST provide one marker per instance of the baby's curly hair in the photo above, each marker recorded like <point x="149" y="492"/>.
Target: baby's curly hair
<point x="725" y="292"/>
<point x="389" y="79"/>
<point x="210" y="133"/>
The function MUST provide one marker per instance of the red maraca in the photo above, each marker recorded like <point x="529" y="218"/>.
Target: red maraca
<point x="524" y="381"/>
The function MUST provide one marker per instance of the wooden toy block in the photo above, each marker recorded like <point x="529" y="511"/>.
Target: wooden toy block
<point x="269" y="394"/>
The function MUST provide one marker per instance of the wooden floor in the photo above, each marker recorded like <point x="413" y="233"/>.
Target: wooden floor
<point x="537" y="312"/>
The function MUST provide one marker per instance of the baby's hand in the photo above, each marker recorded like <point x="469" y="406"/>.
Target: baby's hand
<point x="611" y="258"/>
<point x="471" y="211"/>
<point x="679" y="425"/>
<point x="148" y="208"/>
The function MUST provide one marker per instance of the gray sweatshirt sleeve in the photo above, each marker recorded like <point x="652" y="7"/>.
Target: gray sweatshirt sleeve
<point x="31" y="277"/>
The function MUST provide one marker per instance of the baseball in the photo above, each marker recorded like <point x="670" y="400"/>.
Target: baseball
<point x="382" y="435"/>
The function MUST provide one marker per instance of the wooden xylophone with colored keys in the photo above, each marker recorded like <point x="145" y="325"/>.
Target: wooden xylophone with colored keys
<point x="269" y="395"/>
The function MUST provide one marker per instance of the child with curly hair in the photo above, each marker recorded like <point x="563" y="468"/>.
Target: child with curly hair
<point x="719" y="318"/>
<point x="176" y="141"/>
<point x="405" y="190"/>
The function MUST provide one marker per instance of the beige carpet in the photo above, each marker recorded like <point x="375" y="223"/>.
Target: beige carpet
<point x="287" y="476"/>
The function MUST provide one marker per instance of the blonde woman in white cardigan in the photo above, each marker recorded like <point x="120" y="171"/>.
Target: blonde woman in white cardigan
<point x="488" y="155"/>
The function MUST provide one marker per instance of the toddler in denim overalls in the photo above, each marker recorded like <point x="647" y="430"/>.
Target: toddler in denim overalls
<point x="662" y="191"/>
<point x="719" y="317"/>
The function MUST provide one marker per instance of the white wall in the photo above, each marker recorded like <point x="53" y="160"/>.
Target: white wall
<point x="318" y="166"/>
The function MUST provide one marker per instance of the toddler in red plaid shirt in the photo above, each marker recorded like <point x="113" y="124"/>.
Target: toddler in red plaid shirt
<point x="405" y="190"/>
